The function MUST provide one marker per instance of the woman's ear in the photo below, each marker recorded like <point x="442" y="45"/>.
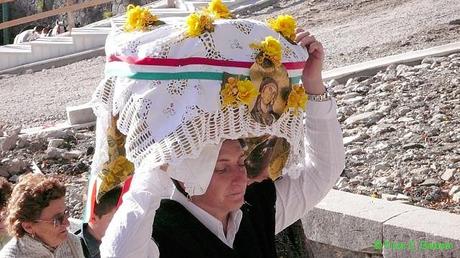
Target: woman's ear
<point x="28" y="227"/>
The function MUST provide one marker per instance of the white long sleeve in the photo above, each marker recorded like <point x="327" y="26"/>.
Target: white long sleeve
<point x="130" y="230"/>
<point x="325" y="161"/>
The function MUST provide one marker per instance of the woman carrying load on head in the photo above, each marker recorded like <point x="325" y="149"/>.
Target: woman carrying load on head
<point x="181" y="97"/>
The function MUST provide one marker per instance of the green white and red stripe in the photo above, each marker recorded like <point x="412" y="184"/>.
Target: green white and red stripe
<point x="149" y="68"/>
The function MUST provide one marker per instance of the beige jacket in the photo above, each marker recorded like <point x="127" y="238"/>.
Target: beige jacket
<point x="28" y="247"/>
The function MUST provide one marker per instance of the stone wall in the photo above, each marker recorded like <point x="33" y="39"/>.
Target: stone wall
<point x="119" y="6"/>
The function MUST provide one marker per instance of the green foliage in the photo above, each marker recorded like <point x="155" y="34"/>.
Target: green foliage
<point x="40" y="4"/>
<point x="107" y="14"/>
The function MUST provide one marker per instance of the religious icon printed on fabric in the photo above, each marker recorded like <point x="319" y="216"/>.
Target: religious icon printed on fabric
<point x="266" y="155"/>
<point x="274" y="87"/>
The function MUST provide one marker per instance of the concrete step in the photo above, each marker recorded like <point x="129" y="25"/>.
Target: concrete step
<point x="92" y="36"/>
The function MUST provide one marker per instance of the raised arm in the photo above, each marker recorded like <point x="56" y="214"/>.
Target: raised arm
<point x="323" y="143"/>
<point x="325" y="161"/>
<point x="129" y="234"/>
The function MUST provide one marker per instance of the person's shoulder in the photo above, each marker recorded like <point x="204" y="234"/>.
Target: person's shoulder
<point x="168" y="212"/>
<point x="10" y="250"/>
<point x="73" y="237"/>
<point x="261" y="192"/>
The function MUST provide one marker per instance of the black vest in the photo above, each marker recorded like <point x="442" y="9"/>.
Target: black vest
<point x="179" y="234"/>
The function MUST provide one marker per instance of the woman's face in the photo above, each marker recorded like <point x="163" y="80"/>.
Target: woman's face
<point x="52" y="234"/>
<point x="268" y="93"/>
<point x="226" y="190"/>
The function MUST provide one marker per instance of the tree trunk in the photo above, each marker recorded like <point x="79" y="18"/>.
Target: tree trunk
<point x="292" y="243"/>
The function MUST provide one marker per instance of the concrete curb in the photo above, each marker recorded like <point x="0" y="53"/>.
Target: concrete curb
<point x="259" y="5"/>
<point x="56" y="62"/>
<point x="58" y="127"/>
<point x="370" y="68"/>
<point x="375" y="226"/>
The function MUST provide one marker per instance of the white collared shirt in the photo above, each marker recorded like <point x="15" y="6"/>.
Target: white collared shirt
<point x="129" y="233"/>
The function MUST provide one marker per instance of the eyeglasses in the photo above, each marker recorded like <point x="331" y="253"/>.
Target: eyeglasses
<point x="58" y="219"/>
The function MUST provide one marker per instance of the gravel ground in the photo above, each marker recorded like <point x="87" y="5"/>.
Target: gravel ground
<point x="40" y="98"/>
<point x="401" y="133"/>
<point x="352" y="31"/>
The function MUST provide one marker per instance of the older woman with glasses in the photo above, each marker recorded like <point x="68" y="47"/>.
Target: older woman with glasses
<point x="37" y="217"/>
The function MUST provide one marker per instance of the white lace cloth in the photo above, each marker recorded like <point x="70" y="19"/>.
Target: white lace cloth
<point x="168" y="121"/>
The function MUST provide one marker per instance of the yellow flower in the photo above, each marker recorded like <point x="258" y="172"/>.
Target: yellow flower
<point x="218" y="9"/>
<point x="198" y="23"/>
<point x="284" y="24"/>
<point x="246" y="92"/>
<point x="138" y="18"/>
<point x="229" y="92"/>
<point x="236" y="92"/>
<point x="297" y="98"/>
<point x="271" y="49"/>
<point x="114" y="172"/>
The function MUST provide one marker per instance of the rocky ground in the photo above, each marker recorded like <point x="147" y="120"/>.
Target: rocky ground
<point x="402" y="133"/>
<point x="401" y="126"/>
<point x="353" y="31"/>
<point x="64" y="153"/>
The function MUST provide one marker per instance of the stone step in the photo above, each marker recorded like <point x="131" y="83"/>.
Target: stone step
<point x="92" y="36"/>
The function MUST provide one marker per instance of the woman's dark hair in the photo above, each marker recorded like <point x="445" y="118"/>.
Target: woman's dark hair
<point x="107" y="202"/>
<point x="30" y="196"/>
<point x="259" y="158"/>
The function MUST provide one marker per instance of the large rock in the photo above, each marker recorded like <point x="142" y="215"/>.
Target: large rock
<point x="54" y="153"/>
<point x="8" y="142"/>
<point x="55" y="143"/>
<point x="448" y="174"/>
<point x="16" y="166"/>
<point x="4" y="172"/>
<point x="361" y="220"/>
<point x="74" y="154"/>
<point x="366" y="118"/>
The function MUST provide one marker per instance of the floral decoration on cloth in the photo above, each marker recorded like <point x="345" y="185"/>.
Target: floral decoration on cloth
<point x="193" y="82"/>
<point x="286" y="25"/>
<point x="198" y="23"/>
<point x="270" y="50"/>
<point x="236" y="92"/>
<point x="219" y="10"/>
<point x="140" y="19"/>
<point x="297" y="99"/>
